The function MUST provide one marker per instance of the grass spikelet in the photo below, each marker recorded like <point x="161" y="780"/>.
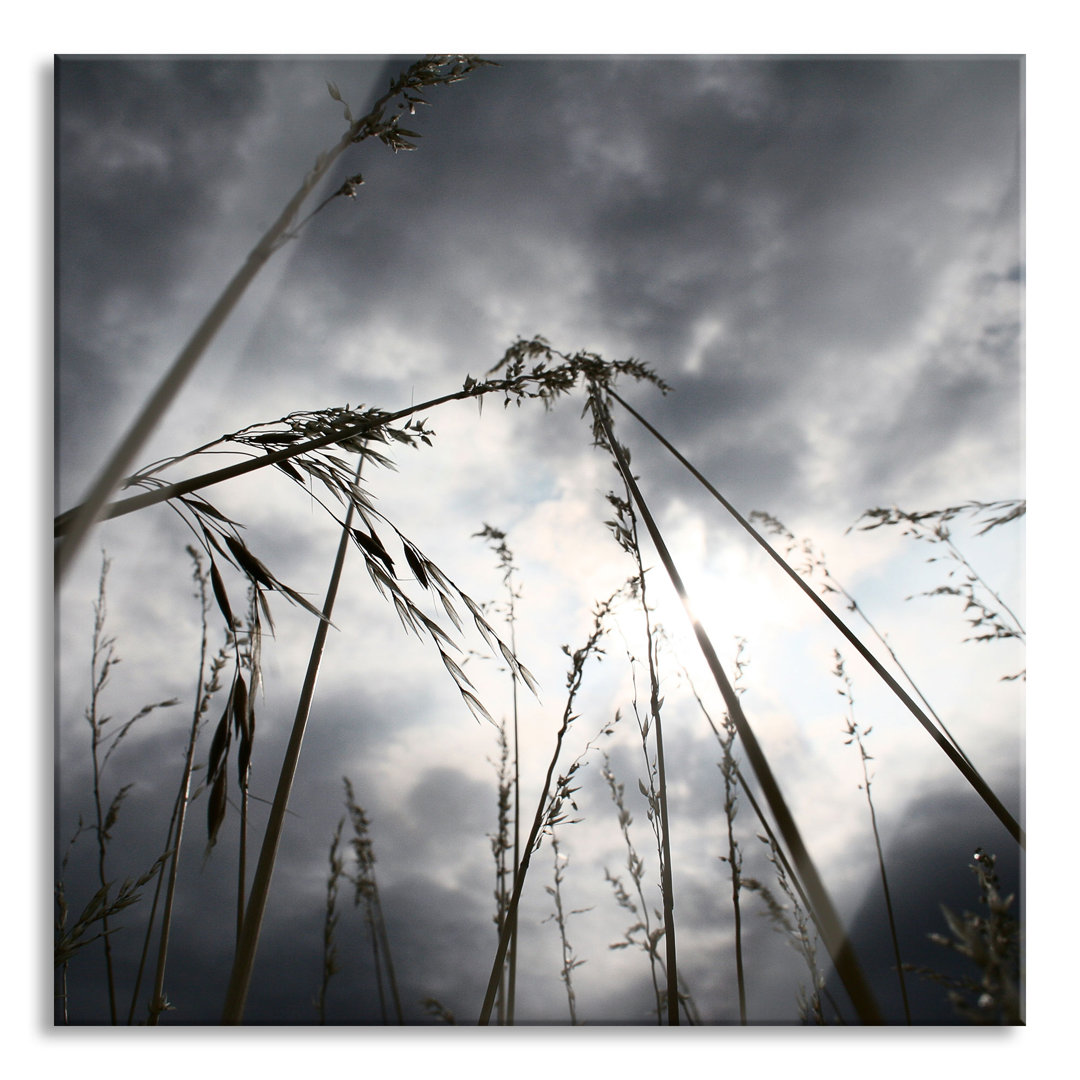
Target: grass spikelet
<point x="367" y="895"/>
<point x="560" y="917"/>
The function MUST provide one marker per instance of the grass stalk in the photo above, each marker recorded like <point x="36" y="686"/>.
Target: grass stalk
<point x="734" y="856"/>
<point x="330" y="920"/>
<point x="636" y="868"/>
<point x="578" y="658"/>
<point x="963" y="766"/>
<point x="204" y="691"/>
<point x="102" y="660"/>
<point x="367" y="891"/>
<point x="854" y="735"/>
<point x="501" y="847"/>
<point x="247" y="732"/>
<point x="732" y="781"/>
<point x="423" y="73"/>
<point x="815" y="560"/>
<point x="560" y="916"/>
<point x="664" y="817"/>
<point x="835" y="939"/>
<point x="625" y="530"/>
<point x="539" y="381"/>
<point x="497" y="539"/>
<point x="380" y="922"/>
<point x="511" y="974"/>
<point x="244" y="961"/>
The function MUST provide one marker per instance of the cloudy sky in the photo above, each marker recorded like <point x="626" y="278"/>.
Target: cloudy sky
<point x="824" y="259"/>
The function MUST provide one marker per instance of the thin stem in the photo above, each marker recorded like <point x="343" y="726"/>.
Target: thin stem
<point x="730" y="769"/>
<point x="244" y="962"/>
<point x="102" y="660"/>
<point x="832" y="932"/>
<point x="241" y="859"/>
<point x="959" y="556"/>
<point x="375" y="952"/>
<point x="512" y="972"/>
<point x="330" y="920"/>
<point x="636" y="867"/>
<point x="176" y="826"/>
<point x="500" y="846"/>
<point x="573" y="684"/>
<point x="664" y="822"/>
<point x="384" y="938"/>
<point x="171" y="383"/>
<point x="965" y="768"/>
<point x="64" y="522"/>
<point x="508" y="985"/>
<point x="569" y="962"/>
<point x="856" y="736"/>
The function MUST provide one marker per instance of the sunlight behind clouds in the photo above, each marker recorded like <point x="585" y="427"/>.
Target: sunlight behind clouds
<point x="797" y="246"/>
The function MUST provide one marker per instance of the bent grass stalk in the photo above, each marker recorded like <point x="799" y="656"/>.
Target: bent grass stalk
<point x="346" y="428"/>
<point x="815" y="560"/>
<point x="963" y="766"/>
<point x="835" y="939"/>
<point x="426" y="72"/>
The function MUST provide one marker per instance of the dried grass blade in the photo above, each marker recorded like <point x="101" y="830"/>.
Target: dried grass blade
<point x="220" y="594"/>
<point x="416" y="565"/>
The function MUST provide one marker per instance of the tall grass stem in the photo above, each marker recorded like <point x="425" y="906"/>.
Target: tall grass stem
<point x="244" y="961"/>
<point x="958" y="759"/>
<point x="835" y="938"/>
<point x="172" y="382"/>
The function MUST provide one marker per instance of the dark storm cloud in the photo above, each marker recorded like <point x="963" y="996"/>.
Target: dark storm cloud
<point x="134" y="145"/>
<point x="810" y="208"/>
<point x="859" y="212"/>
<point x="817" y="224"/>
<point x="167" y="174"/>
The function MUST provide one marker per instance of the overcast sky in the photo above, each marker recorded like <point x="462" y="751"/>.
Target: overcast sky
<point x="822" y="258"/>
